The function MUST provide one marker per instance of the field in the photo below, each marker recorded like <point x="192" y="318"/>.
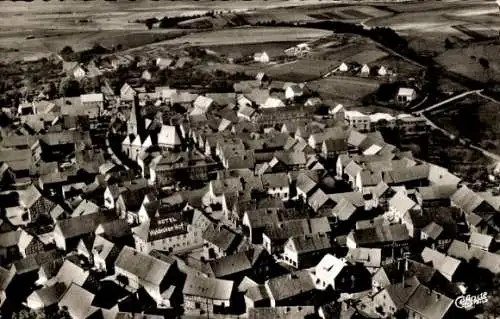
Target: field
<point x="466" y="61"/>
<point x="248" y="35"/>
<point x="346" y="90"/>
<point x="474" y="118"/>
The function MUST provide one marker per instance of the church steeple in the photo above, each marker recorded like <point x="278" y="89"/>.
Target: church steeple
<point x="132" y="121"/>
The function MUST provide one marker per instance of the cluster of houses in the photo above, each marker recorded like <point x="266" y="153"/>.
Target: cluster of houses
<point x="244" y="203"/>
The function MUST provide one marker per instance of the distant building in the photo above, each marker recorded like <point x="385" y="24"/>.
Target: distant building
<point x="406" y="95"/>
<point x="261" y="57"/>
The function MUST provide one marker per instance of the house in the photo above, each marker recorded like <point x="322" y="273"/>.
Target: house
<point x="201" y="105"/>
<point x="17" y="244"/>
<point x="426" y="303"/>
<point x="371" y="258"/>
<point x="406" y="95"/>
<point x="261" y="57"/>
<point x="104" y="254"/>
<point x="481" y="241"/>
<point x="166" y="229"/>
<point x="272" y="102"/>
<point x="276" y="233"/>
<point x="446" y="265"/>
<point x="219" y="241"/>
<point x="207" y="294"/>
<point x="31" y="205"/>
<point x="394" y="297"/>
<point x="77" y="301"/>
<point x="331" y="148"/>
<point x="163" y="63"/>
<point x="303" y="251"/>
<point x="146" y="75"/>
<point x="293" y="91"/>
<point x="6" y="276"/>
<point x="168" y="138"/>
<point x="256" y="296"/>
<point x="277" y="185"/>
<point x="46" y="297"/>
<point x="432" y="196"/>
<point x="93" y="100"/>
<point x="399" y="205"/>
<point x="305" y="185"/>
<point x="463" y="251"/>
<point x="337" y="112"/>
<point x="343" y="67"/>
<point x="193" y="165"/>
<point x="382" y="71"/>
<point x="74" y="69"/>
<point x="327" y="271"/>
<point x="357" y="120"/>
<point x="365" y="70"/>
<point x="138" y="270"/>
<point x="127" y="92"/>
<point x="246" y="112"/>
<point x="68" y="232"/>
<point x="290" y="289"/>
<point x="379" y="236"/>
<point x="289" y="312"/>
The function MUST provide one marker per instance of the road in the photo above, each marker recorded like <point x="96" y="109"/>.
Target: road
<point x="457" y="97"/>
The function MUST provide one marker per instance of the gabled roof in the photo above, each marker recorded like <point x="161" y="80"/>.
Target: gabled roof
<point x="78" y="226"/>
<point x="209" y="288"/>
<point x="318" y="199"/>
<point x="369" y="257"/>
<point x="221" y="237"/>
<point x="401" y="292"/>
<point x="429" y="303"/>
<point x="168" y="136"/>
<point x="231" y="264"/>
<point x="290" y="285"/>
<point x="47" y="296"/>
<point x="309" y="243"/>
<point x="273" y="102"/>
<point x="432" y="230"/>
<point x="145" y="267"/>
<point x="401" y="203"/>
<point x="71" y="273"/>
<point x="466" y="199"/>
<point x="78" y="301"/>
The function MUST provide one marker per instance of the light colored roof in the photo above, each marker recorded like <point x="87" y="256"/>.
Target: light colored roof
<point x="273" y="102"/>
<point x="381" y="116"/>
<point x="466" y="199"/>
<point x="369" y="257"/>
<point x="330" y="264"/>
<point x="429" y="303"/>
<point x="203" y="102"/>
<point x="480" y="240"/>
<point x="78" y="301"/>
<point x="91" y="98"/>
<point x="168" y="136"/>
<point x="432" y="230"/>
<point x="406" y="91"/>
<point x="401" y="202"/>
<point x="145" y="267"/>
<point x="210" y="288"/>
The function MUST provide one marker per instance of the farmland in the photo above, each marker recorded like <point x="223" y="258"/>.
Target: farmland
<point x="247" y="35"/>
<point x="346" y="90"/>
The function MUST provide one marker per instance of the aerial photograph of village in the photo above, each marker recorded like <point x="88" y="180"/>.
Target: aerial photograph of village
<point x="260" y="159"/>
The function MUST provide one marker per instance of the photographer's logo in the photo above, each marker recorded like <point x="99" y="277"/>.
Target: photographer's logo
<point x="469" y="302"/>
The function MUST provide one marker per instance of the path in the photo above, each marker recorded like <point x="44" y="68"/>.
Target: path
<point x="432" y="107"/>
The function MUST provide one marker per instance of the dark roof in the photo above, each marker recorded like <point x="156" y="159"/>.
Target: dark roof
<point x="221" y="237"/>
<point x="381" y="234"/>
<point x="231" y="264"/>
<point x="81" y="225"/>
<point x="290" y="285"/>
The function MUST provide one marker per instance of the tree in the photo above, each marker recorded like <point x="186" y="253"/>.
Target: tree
<point x="67" y="53"/>
<point x="484" y="63"/>
<point x="448" y="44"/>
<point x="69" y="87"/>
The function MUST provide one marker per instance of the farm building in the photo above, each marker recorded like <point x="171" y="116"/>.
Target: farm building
<point x="406" y="95"/>
<point x="365" y="70"/>
<point x="382" y="71"/>
<point x="343" y="67"/>
<point x="261" y="57"/>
